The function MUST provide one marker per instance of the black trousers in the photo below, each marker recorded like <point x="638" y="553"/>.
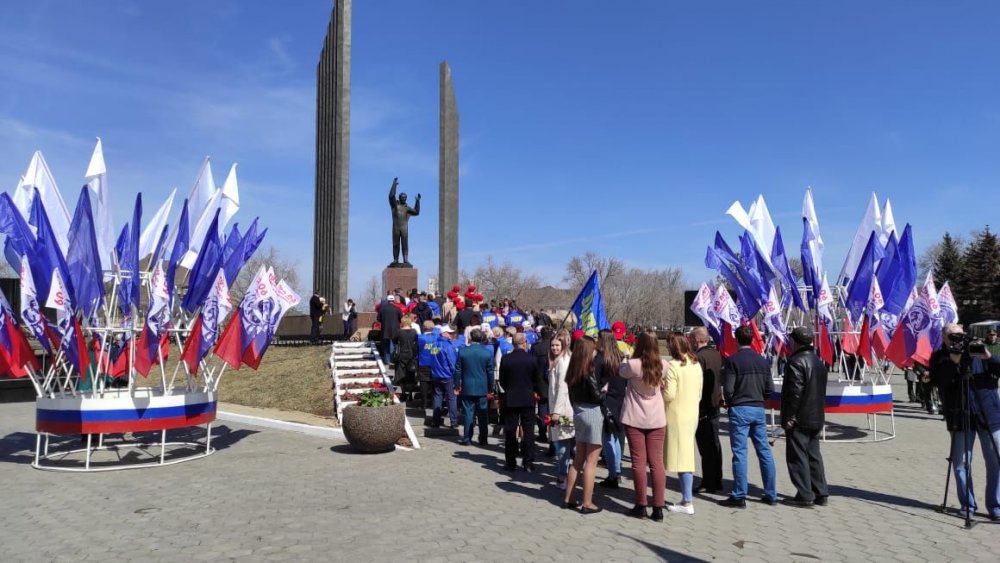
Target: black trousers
<point x="314" y="331"/>
<point x="805" y="463"/>
<point x="543" y="409"/>
<point x="513" y="417"/>
<point x="707" y="438"/>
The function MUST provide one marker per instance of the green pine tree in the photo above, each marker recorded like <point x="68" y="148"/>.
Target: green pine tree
<point x="980" y="279"/>
<point x="948" y="268"/>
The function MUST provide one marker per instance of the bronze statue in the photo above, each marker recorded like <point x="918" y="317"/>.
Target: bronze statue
<point x="400" y="222"/>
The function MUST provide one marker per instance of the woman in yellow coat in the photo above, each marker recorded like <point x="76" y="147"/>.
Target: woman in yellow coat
<point x="681" y="395"/>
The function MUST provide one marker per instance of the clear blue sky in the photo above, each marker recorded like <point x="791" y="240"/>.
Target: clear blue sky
<point x="624" y="128"/>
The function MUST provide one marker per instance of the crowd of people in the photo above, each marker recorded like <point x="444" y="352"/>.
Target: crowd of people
<point x="587" y="396"/>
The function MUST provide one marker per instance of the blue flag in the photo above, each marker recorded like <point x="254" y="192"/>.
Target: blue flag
<point x="181" y="244"/>
<point x="589" y="308"/>
<point x="897" y="289"/>
<point x="47" y="256"/>
<point x="232" y="241"/>
<point x="861" y="281"/>
<point x="205" y="268"/>
<point x="812" y="278"/>
<point x="759" y="276"/>
<point x="242" y="253"/>
<point x="780" y="262"/>
<point x="127" y="248"/>
<point x="83" y="259"/>
<point x="155" y="257"/>
<point x="20" y="239"/>
<point x="888" y="267"/>
<point x="253" y="245"/>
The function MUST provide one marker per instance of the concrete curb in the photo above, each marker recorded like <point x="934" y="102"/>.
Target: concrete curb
<point x="321" y="431"/>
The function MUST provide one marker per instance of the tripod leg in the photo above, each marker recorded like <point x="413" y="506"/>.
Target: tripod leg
<point x="947" y="484"/>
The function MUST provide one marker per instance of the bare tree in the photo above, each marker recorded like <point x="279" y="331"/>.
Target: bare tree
<point x="633" y="295"/>
<point x="284" y="269"/>
<point x="579" y="268"/>
<point x="501" y="280"/>
<point x="370" y="295"/>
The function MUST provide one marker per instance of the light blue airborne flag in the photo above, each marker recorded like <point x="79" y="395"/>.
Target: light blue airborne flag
<point x="589" y="308"/>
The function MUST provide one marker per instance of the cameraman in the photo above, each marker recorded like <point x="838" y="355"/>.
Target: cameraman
<point x="964" y="373"/>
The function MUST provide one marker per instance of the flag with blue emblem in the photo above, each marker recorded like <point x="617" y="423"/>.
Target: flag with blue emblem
<point x="589" y="308"/>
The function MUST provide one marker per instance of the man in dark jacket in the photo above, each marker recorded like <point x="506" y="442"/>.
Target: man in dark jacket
<point x="464" y="317"/>
<point x="473" y="382"/>
<point x="315" y="316"/>
<point x="707" y="434"/>
<point x="967" y="383"/>
<point x="423" y="310"/>
<point x="389" y="317"/>
<point x="803" y="398"/>
<point x="746" y="379"/>
<point x="520" y="378"/>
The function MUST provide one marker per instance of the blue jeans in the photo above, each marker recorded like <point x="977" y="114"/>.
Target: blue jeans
<point x="744" y="421"/>
<point x="687" y="485"/>
<point x="613" y="453"/>
<point x="388" y="348"/>
<point x="564" y="456"/>
<point x="962" y="444"/>
<point x="444" y="388"/>
<point x="475" y="406"/>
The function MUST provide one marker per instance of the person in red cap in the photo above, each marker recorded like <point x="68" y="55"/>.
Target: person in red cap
<point x="618" y="330"/>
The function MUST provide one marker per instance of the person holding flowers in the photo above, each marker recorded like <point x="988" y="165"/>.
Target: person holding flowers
<point x="560" y="423"/>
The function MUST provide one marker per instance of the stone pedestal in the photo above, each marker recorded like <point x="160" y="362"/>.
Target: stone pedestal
<point x="403" y="278"/>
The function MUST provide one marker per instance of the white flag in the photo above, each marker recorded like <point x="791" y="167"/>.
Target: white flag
<point x="702" y="306"/>
<point x="724" y="308"/>
<point x="229" y="201"/>
<point x="97" y="181"/>
<point x="949" y="308"/>
<point x="39" y="176"/>
<point x="888" y="223"/>
<point x="816" y="245"/>
<point x="159" y="300"/>
<point x="31" y="312"/>
<point x="870" y="223"/>
<point x="151" y="234"/>
<point x="217" y="306"/>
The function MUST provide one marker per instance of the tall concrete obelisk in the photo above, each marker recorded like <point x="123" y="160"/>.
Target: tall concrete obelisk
<point x="333" y="146"/>
<point x="447" y="184"/>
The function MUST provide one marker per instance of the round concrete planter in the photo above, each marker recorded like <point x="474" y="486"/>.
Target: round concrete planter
<point x="373" y="429"/>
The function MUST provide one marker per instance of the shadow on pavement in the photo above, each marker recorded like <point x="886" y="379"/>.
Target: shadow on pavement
<point x="664" y="553"/>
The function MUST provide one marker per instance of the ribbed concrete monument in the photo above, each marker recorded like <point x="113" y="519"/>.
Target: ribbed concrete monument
<point x="448" y="184"/>
<point x="333" y="146"/>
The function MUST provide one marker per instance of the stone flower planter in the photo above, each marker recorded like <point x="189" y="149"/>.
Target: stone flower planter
<point x="374" y="429"/>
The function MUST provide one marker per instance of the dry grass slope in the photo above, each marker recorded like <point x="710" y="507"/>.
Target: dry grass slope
<point x="289" y="378"/>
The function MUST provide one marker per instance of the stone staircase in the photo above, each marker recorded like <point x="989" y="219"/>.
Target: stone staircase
<point x="356" y="367"/>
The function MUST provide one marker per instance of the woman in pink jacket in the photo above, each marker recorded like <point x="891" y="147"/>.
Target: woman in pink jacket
<point x="645" y="421"/>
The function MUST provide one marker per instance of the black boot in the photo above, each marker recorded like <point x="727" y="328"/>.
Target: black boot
<point x="610" y="483"/>
<point x="638" y="511"/>
<point x="657" y="515"/>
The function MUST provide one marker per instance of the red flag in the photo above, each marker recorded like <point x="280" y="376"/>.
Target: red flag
<point x="865" y="343"/>
<point x="758" y="341"/>
<point x="729" y="345"/>
<point x="880" y="343"/>
<point x="825" y="345"/>
<point x="896" y="352"/>
<point x="230" y="345"/>
<point x="849" y="340"/>
<point x="923" y="353"/>
<point x="143" y="363"/>
<point x="191" y="347"/>
<point x="20" y="353"/>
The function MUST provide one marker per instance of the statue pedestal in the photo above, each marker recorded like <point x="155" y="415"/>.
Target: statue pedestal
<point x="403" y="278"/>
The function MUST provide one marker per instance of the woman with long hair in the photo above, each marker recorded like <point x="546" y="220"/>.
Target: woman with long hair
<point x="681" y="395"/>
<point x="645" y="421"/>
<point x="609" y="359"/>
<point x="585" y="395"/>
<point x="560" y="436"/>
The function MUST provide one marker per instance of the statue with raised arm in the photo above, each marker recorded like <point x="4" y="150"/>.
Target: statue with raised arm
<point x="401" y="214"/>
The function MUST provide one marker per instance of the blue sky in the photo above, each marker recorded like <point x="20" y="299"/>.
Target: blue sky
<point x="625" y="130"/>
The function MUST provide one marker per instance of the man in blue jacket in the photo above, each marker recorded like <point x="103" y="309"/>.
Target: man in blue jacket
<point x="473" y="382"/>
<point x="442" y="357"/>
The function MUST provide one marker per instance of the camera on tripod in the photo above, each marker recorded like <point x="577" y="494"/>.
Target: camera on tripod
<point x="963" y="343"/>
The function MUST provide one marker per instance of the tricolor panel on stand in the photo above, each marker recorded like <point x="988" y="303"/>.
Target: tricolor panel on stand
<point x="847" y="399"/>
<point x="109" y="414"/>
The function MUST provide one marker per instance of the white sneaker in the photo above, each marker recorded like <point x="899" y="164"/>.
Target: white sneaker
<point x="681" y="508"/>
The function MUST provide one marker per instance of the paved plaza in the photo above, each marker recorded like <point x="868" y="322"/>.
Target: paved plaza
<point x="276" y="495"/>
